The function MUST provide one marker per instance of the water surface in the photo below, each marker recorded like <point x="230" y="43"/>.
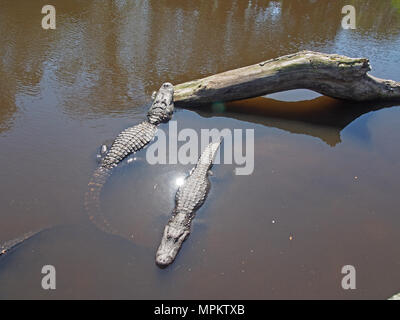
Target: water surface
<point x="324" y="192"/>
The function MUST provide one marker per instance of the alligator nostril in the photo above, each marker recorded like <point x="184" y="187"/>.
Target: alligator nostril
<point x="167" y="85"/>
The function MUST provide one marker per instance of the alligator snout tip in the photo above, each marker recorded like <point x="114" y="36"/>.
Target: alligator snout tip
<point x="167" y="85"/>
<point x="163" y="260"/>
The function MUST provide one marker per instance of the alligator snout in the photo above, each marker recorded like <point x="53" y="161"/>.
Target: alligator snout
<point x="167" y="85"/>
<point x="171" y="243"/>
<point x="163" y="260"/>
<point x="167" y="252"/>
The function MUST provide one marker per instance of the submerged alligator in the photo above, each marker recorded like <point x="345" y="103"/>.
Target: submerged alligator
<point x="128" y="141"/>
<point x="12" y="244"/>
<point x="189" y="197"/>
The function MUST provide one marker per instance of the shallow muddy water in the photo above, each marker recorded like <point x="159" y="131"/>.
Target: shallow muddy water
<point x="326" y="181"/>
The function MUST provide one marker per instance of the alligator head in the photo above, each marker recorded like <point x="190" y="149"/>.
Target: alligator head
<point x="163" y="105"/>
<point x="171" y="242"/>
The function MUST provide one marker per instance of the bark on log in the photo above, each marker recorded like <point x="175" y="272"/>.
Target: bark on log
<point x="332" y="75"/>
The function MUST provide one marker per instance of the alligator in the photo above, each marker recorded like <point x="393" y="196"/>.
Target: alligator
<point x="128" y="141"/>
<point x="189" y="198"/>
<point x="12" y="244"/>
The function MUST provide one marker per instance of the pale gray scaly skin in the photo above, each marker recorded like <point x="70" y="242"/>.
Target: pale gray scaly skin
<point x="127" y="142"/>
<point x="189" y="197"/>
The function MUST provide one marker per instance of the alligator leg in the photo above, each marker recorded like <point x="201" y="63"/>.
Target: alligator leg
<point x="102" y="153"/>
<point x="103" y="150"/>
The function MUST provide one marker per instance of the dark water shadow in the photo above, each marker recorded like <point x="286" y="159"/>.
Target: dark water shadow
<point x="322" y="117"/>
<point x="86" y="261"/>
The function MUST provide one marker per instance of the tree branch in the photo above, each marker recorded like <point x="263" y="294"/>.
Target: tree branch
<point x="332" y="75"/>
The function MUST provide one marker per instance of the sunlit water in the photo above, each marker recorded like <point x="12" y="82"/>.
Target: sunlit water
<point x="324" y="192"/>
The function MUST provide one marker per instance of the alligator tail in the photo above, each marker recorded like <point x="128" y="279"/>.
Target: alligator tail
<point x="92" y="200"/>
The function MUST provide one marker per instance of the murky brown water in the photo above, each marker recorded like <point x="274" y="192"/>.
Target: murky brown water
<point x="326" y="172"/>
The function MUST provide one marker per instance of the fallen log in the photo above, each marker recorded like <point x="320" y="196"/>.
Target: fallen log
<point x="332" y="75"/>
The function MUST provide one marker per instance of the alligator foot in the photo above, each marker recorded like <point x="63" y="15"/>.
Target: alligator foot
<point x="102" y="152"/>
